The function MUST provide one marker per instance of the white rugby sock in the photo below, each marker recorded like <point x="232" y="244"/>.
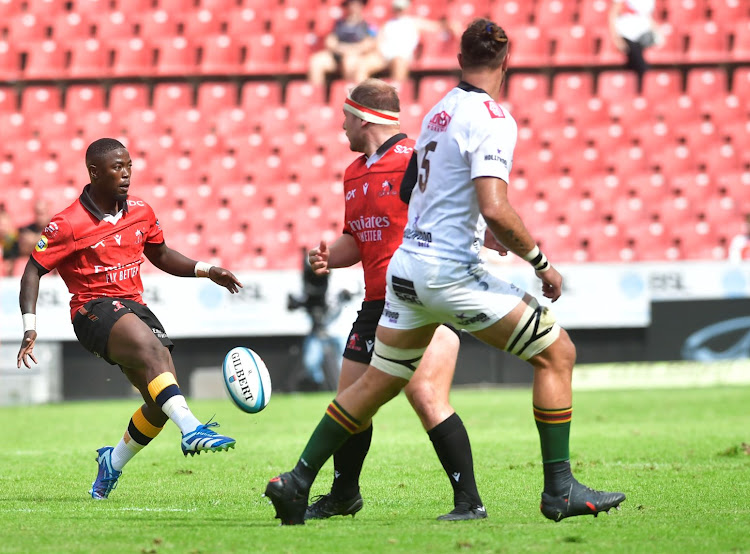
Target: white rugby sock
<point x="177" y="410"/>
<point x="124" y="452"/>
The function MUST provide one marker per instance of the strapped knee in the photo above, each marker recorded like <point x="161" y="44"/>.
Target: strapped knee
<point x="399" y="362"/>
<point x="536" y="330"/>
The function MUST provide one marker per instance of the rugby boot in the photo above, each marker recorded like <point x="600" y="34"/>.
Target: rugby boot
<point x="464" y="511"/>
<point x="327" y="505"/>
<point x="204" y="439"/>
<point x="106" y="477"/>
<point x="289" y="499"/>
<point x="579" y="501"/>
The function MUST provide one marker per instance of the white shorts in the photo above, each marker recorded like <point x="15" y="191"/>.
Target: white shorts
<point x="423" y="289"/>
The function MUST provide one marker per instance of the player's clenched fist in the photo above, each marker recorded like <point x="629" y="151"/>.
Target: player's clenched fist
<point x="318" y="258"/>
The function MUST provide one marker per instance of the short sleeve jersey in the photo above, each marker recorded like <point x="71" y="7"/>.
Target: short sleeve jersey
<point x="98" y="255"/>
<point x="374" y="213"/>
<point x="352" y="32"/>
<point x="466" y="135"/>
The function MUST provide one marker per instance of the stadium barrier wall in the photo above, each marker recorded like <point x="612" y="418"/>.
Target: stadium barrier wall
<point x="614" y="312"/>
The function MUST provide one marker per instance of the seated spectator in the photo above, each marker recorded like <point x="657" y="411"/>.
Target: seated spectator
<point x="397" y="41"/>
<point x="739" y="247"/>
<point x="351" y="39"/>
<point x="633" y="29"/>
<point x="9" y="240"/>
<point x="28" y="235"/>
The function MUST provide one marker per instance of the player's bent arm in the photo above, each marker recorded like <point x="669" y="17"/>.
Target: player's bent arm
<point x="501" y="217"/>
<point x="344" y="252"/>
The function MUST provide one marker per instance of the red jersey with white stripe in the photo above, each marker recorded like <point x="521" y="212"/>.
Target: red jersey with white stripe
<point x="375" y="215"/>
<point x="98" y="254"/>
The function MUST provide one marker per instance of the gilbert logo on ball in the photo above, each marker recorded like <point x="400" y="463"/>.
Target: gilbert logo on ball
<point x="247" y="380"/>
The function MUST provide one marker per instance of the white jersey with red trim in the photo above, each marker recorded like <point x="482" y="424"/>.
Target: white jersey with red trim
<point x="465" y="136"/>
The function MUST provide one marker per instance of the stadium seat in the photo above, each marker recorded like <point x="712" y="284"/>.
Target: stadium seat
<point x="662" y="85"/>
<point x="133" y="57"/>
<point x="220" y="55"/>
<point x="245" y="22"/>
<point x="134" y="7"/>
<point x="574" y="45"/>
<point x="172" y="96"/>
<point x="201" y="23"/>
<point x="431" y="89"/>
<point x="531" y="48"/>
<point x="264" y="55"/>
<point x="606" y="51"/>
<point x="45" y="60"/>
<point x="175" y="56"/>
<point x="26" y="29"/>
<point x="8" y="100"/>
<point x="704" y="85"/>
<point x="289" y="19"/>
<point x="124" y="98"/>
<point x="511" y="15"/>
<point x="686" y="11"/>
<point x="158" y="25"/>
<point x="437" y="52"/>
<point x="255" y="94"/>
<point x="10" y="61"/>
<point x="527" y="88"/>
<point x="594" y="14"/>
<point x="175" y="6"/>
<point x="727" y="12"/>
<point x="39" y="99"/>
<point x="113" y="25"/>
<point x="47" y="7"/>
<point x="616" y="85"/>
<point x="88" y="59"/>
<point x="572" y="88"/>
<point x="301" y="46"/>
<point x="672" y="51"/>
<point x="707" y="43"/>
<point x="741" y="44"/>
<point x="70" y="26"/>
<point x="99" y="124"/>
<point x="550" y="14"/>
<point x="304" y="94"/>
<point x="213" y="97"/>
<point x="83" y="98"/>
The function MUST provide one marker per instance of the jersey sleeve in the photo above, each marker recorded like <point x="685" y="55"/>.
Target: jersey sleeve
<point x="409" y="180"/>
<point x="55" y="244"/>
<point x="492" y="142"/>
<point x="155" y="234"/>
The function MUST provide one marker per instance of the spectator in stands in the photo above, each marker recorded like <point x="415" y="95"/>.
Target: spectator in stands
<point x="351" y="39"/>
<point x="9" y="240"/>
<point x="398" y="40"/>
<point x="739" y="247"/>
<point x="28" y="235"/>
<point x="633" y="29"/>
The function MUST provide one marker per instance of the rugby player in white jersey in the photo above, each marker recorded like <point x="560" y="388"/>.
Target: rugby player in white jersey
<point x="464" y="157"/>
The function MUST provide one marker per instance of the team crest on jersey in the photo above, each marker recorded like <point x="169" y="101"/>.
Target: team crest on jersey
<point x="387" y="189"/>
<point x="439" y="122"/>
<point x="42" y="244"/>
<point x="494" y="109"/>
<point x="51" y="229"/>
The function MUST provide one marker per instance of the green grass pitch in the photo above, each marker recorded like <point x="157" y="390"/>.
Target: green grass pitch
<point x="681" y="456"/>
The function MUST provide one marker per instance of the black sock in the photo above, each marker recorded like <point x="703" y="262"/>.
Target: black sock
<point x="451" y="442"/>
<point x="347" y="464"/>
<point x="557" y="478"/>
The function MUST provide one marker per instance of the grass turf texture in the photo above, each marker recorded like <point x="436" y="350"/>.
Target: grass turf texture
<point x="680" y="455"/>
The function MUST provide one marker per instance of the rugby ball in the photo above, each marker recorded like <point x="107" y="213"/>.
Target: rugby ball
<point x="247" y="379"/>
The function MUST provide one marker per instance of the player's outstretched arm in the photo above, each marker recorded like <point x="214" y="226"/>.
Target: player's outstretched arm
<point x="509" y="229"/>
<point x="27" y="300"/>
<point x="172" y="262"/>
<point x="344" y="252"/>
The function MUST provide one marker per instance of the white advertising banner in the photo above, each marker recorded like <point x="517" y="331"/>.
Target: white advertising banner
<point x="594" y="296"/>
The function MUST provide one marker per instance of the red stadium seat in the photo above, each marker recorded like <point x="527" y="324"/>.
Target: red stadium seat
<point x="175" y="56"/>
<point x="303" y="93"/>
<point x="201" y="23"/>
<point x="134" y="6"/>
<point x="301" y="47"/>
<point x="213" y="97"/>
<point x="8" y="99"/>
<point x="607" y="53"/>
<point x="264" y="55"/>
<point x="133" y="57"/>
<point x="437" y="51"/>
<point x="9" y="8"/>
<point x="10" y="61"/>
<point x="431" y="89"/>
<point x="554" y="13"/>
<point x="257" y="94"/>
<point x="741" y="44"/>
<point x="616" y="85"/>
<point x="26" y="29"/>
<point x="88" y="59"/>
<point x="113" y="25"/>
<point x="70" y="26"/>
<point x="594" y="14"/>
<point x="245" y="22"/>
<point x="48" y="7"/>
<point x="39" y="99"/>
<point x="686" y="11"/>
<point x="289" y="19"/>
<point x="124" y="98"/>
<point x="45" y="60"/>
<point x="172" y="96"/>
<point x="83" y="98"/>
<point x="673" y="49"/>
<point x="158" y="25"/>
<point x="531" y="47"/>
<point x="220" y="55"/>
<point x="662" y="85"/>
<point x="707" y="43"/>
<point x="574" y="45"/>
<point x="704" y="85"/>
<point x="175" y="6"/>
<point x="572" y="88"/>
<point x="727" y="12"/>
<point x="527" y="88"/>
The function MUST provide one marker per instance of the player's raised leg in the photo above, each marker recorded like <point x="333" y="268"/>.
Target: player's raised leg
<point x="149" y="367"/>
<point x="531" y="332"/>
<point x="428" y="392"/>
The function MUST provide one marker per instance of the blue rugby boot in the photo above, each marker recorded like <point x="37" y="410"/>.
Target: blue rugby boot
<point x="106" y="477"/>
<point x="204" y="439"/>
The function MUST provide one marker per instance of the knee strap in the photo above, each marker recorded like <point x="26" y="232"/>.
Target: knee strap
<point x="399" y="362"/>
<point x="536" y="330"/>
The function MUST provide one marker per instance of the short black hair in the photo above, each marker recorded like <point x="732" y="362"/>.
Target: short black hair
<point x="101" y="146"/>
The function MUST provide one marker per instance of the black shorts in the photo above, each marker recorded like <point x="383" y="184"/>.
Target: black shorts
<point x="361" y="339"/>
<point x="94" y="321"/>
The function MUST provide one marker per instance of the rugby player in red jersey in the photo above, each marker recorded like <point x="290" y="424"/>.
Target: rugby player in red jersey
<point x="97" y="246"/>
<point x="375" y="217"/>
